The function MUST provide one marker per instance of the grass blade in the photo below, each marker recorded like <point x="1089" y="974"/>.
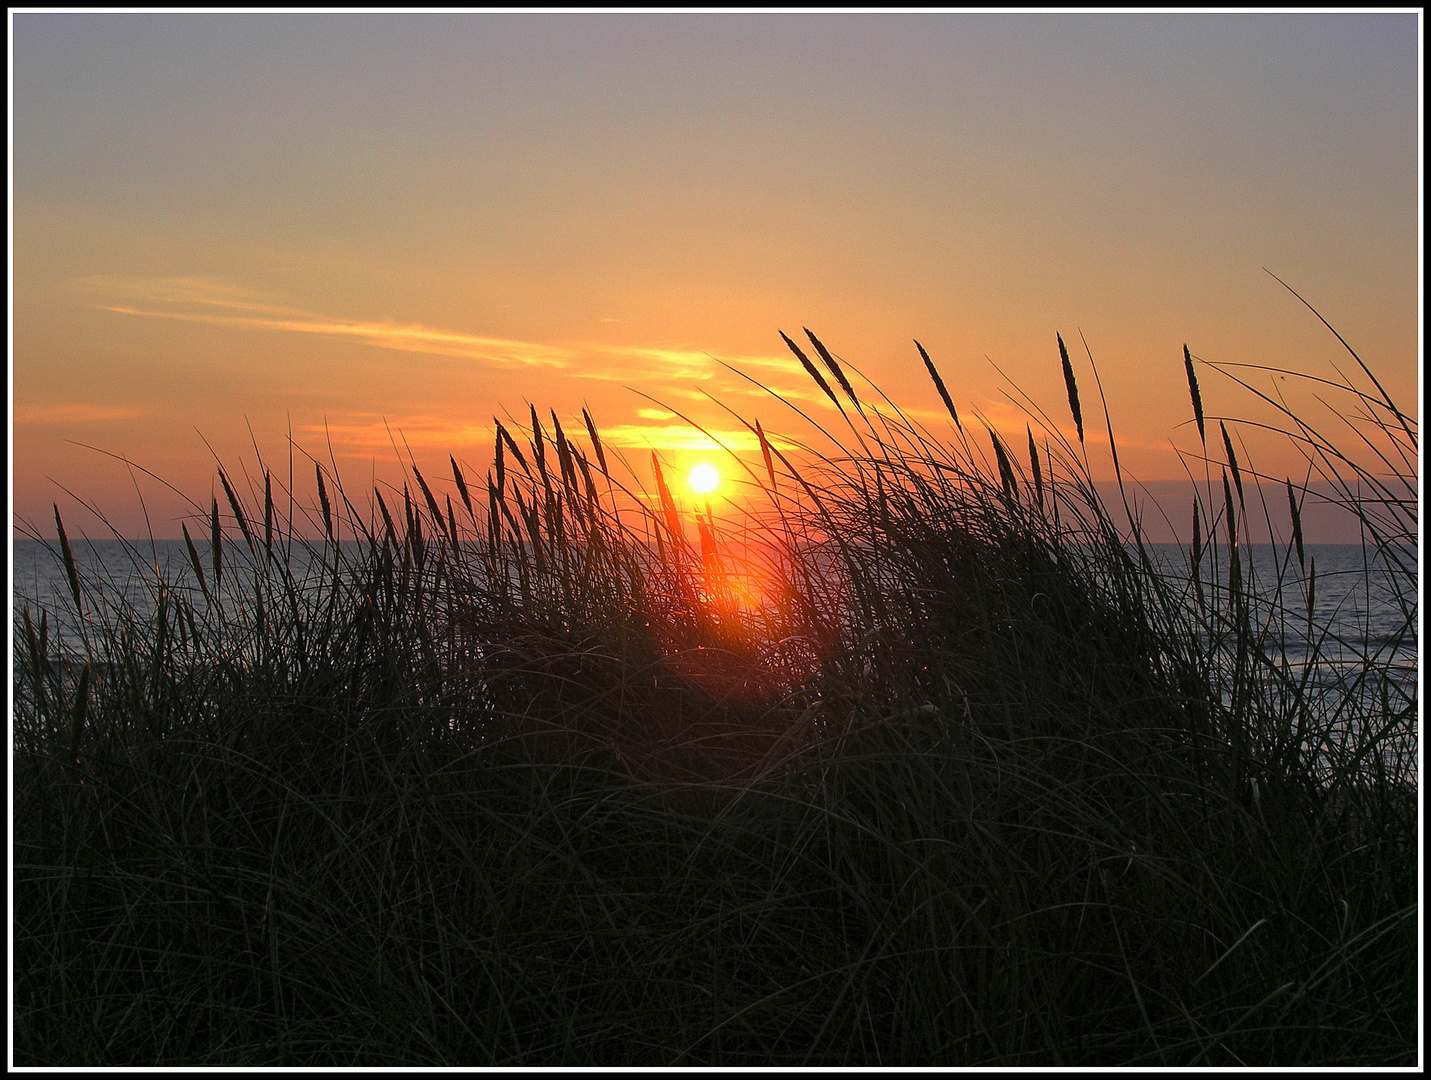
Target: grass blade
<point x="78" y="711"/>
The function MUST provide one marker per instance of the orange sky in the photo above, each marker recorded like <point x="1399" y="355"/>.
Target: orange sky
<point x="388" y="227"/>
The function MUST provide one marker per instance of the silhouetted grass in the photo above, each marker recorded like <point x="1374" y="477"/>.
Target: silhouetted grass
<point x="921" y="762"/>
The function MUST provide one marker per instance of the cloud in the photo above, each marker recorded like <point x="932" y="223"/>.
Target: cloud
<point x="1012" y="423"/>
<point x="367" y="435"/>
<point x="369" y="432"/>
<point x="682" y="437"/>
<point x="642" y="363"/>
<point x="215" y="302"/>
<point x="498" y="352"/>
<point x="200" y="291"/>
<point x="74" y="413"/>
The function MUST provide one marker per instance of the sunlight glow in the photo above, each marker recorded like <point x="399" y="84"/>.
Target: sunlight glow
<point x="704" y="478"/>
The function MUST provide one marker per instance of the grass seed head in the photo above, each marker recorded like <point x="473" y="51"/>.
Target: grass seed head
<point x="323" y="501"/>
<point x="812" y="371"/>
<point x="1071" y="384"/>
<point x="595" y="441"/>
<point x="71" y="570"/>
<point x="216" y="544"/>
<point x="835" y="368"/>
<point x="1232" y="461"/>
<point x="939" y="385"/>
<point x="1196" y="395"/>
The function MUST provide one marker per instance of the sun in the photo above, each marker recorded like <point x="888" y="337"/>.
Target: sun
<point x="704" y="478"/>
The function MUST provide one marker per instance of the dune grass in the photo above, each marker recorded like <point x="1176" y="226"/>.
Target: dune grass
<point x="924" y="761"/>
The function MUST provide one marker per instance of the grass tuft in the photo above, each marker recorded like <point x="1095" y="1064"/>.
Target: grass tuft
<point x="892" y="767"/>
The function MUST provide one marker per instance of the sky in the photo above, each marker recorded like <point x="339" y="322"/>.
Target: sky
<point x="379" y="231"/>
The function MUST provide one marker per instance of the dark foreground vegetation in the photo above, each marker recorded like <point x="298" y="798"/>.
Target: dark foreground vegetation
<point x="922" y="763"/>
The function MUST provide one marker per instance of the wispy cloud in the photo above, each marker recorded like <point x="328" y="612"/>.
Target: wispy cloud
<point x="683" y="437"/>
<point x="368" y="433"/>
<point x="214" y="302"/>
<point x="1012" y="424"/>
<point x="642" y="363"/>
<point x="74" y="413"/>
<point x="182" y="291"/>
<point x="498" y="352"/>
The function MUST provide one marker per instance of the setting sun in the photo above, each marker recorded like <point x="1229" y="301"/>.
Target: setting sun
<point x="704" y="478"/>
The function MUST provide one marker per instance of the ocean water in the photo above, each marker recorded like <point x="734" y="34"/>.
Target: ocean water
<point x="1357" y="606"/>
<point x="1344" y="624"/>
<point x="1353" y="602"/>
<point x="1363" y="616"/>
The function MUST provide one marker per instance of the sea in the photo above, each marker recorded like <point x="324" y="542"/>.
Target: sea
<point x="1359" y="604"/>
<point x="1359" y="607"/>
